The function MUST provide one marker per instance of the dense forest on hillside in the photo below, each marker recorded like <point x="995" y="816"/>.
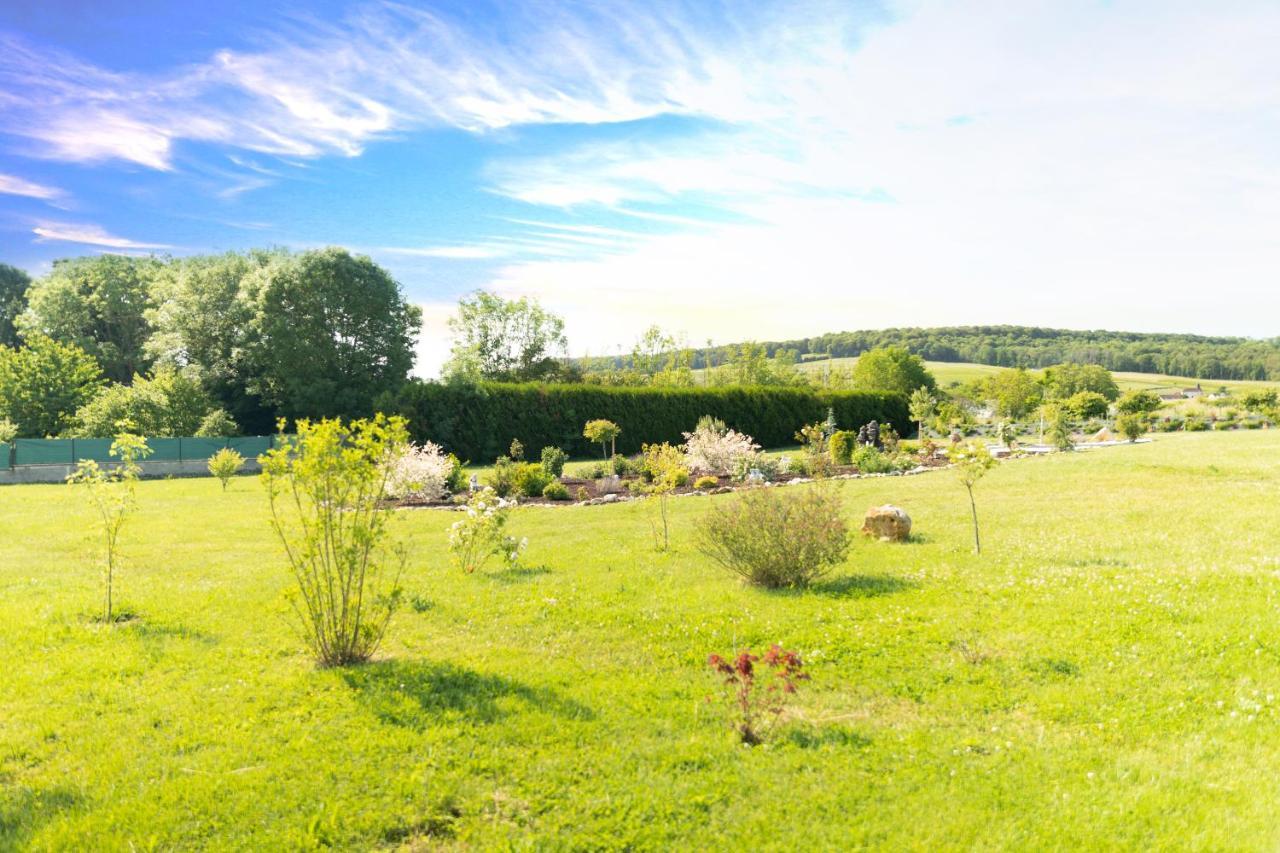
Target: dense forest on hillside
<point x="1032" y="347"/>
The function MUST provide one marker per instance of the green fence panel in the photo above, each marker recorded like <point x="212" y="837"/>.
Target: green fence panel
<point x="6" y="451"/>
<point x="250" y="446"/>
<point x="201" y="448"/>
<point x="97" y="449"/>
<point x="164" y="449"/>
<point x="43" y="451"/>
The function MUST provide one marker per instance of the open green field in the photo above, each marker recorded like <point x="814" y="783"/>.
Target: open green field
<point x="1106" y="674"/>
<point x="947" y="372"/>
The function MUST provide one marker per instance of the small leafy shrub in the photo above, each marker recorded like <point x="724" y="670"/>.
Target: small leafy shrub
<point x="456" y="482"/>
<point x="777" y="538"/>
<point x="516" y="451"/>
<point x="604" y="433"/>
<point x="583" y="494"/>
<point x="758" y="699"/>
<point x="555" y="491"/>
<point x="503" y="478"/>
<point x="423" y="473"/>
<point x="325" y="487"/>
<point x="621" y="465"/>
<point x="743" y="466"/>
<point x="114" y="495"/>
<point x="217" y="424"/>
<point x="704" y="483"/>
<point x="889" y="439"/>
<point x="481" y="533"/>
<point x="871" y="461"/>
<point x="1087" y="404"/>
<point x="1195" y="423"/>
<point x="225" y="464"/>
<point x="596" y="471"/>
<point x="1131" y="426"/>
<point x="814" y="439"/>
<point x="713" y="449"/>
<point x="531" y="478"/>
<point x="553" y="459"/>
<point x="842" y="445"/>
<point x="663" y="472"/>
<point x="8" y="431"/>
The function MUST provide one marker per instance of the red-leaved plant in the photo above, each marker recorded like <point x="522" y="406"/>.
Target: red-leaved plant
<point x="759" y="698"/>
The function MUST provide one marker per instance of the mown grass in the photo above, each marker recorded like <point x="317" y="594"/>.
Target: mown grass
<point x="1105" y="675"/>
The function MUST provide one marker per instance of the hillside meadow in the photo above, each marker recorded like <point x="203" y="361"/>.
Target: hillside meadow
<point x="1106" y="674"/>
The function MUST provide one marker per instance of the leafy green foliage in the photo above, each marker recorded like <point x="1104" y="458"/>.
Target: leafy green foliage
<point x="972" y="462"/>
<point x="500" y="340"/>
<point x="1260" y="400"/>
<point x="602" y="432"/>
<point x="325" y="487"/>
<point x="332" y="331"/>
<point x="225" y="464"/>
<point x="553" y="459"/>
<point x="531" y="479"/>
<point x="1140" y="403"/>
<point x="98" y="304"/>
<point x="662" y="471"/>
<point x="478" y="422"/>
<point x="750" y="365"/>
<point x="1132" y="425"/>
<point x="217" y="424"/>
<point x="891" y="369"/>
<point x="842" y="445"/>
<point x="169" y="403"/>
<point x="481" y="534"/>
<point x="13" y="301"/>
<point x="113" y="493"/>
<point x="1066" y="380"/>
<point x="556" y="491"/>
<point x="44" y="383"/>
<point x="707" y="482"/>
<point x="1015" y="393"/>
<point x="1086" y="404"/>
<point x="777" y="538"/>
<point x="923" y="407"/>
<point x="870" y="460"/>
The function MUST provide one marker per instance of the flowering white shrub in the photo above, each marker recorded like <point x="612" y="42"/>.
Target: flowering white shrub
<point x="481" y="533"/>
<point x="715" y="451"/>
<point x="421" y="473"/>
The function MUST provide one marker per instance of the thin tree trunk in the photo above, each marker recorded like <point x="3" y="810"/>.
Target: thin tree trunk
<point x="973" y="507"/>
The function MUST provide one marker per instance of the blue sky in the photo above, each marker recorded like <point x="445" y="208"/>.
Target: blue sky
<point x="725" y="169"/>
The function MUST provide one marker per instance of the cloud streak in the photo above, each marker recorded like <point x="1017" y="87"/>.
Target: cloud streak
<point x="89" y="235"/>
<point x="13" y="185"/>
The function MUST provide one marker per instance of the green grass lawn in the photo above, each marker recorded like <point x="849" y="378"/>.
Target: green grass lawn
<point x="1106" y="674"/>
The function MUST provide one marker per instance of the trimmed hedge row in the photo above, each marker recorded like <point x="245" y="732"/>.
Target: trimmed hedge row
<point x="479" y="422"/>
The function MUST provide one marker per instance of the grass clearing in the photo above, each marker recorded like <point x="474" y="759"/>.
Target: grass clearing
<point x="1106" y="674"/>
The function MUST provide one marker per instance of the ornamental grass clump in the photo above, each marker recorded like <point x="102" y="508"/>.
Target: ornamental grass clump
<point x="758" y="698"/>
<point x="481" y="533"/>
<point x="325" y="487"/>
<point x="777" y="538"/>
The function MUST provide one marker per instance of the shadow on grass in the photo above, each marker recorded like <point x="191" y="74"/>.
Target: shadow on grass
<point x="519" y="574"/>
<point x="24" y="810"/>
<point x="862" y="586"/>
<point x="814" y="737"/>
<point x="416" y="694"/>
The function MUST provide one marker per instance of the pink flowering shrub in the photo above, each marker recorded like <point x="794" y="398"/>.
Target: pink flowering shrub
<point x="420" y="472"/>
<point x="716" y="451"/>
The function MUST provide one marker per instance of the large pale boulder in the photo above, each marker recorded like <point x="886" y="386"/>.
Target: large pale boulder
<point x="887" y="523"/>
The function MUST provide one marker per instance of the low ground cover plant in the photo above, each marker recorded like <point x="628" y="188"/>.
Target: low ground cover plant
<point x="757" y="688"/>
<point x="325" y="487"/>
<point x="777" y="538"/>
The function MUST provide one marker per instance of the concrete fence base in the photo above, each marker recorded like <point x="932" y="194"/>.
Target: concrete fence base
<point x="151" y="470"/>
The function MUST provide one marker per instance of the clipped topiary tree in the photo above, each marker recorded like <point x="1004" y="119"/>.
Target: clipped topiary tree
<point x="604" y="433"/>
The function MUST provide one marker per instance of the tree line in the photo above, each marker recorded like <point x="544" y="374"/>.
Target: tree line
<point x="209" y="344"/>
<point x="1197" y="356"/>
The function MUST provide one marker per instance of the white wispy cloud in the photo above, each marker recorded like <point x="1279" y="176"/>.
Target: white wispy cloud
<point x="469" y="253"/>
<point x="13" y="185"/>
<point x="89" y="235"/>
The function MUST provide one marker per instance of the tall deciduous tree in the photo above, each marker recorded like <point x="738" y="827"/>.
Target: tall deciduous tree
<point x="13" y="301"/>
<point x="43" y="384"/>
<point x="504" y="340"/>
<point x="891" y="369"/>
<point x="331" y="332"/>
<point x="203" y="322"/>
<point x="1015" y="392"/>
<point x="100" y="305"/>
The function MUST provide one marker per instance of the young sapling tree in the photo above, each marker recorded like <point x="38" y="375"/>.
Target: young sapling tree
<point x="972" y="463"/>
